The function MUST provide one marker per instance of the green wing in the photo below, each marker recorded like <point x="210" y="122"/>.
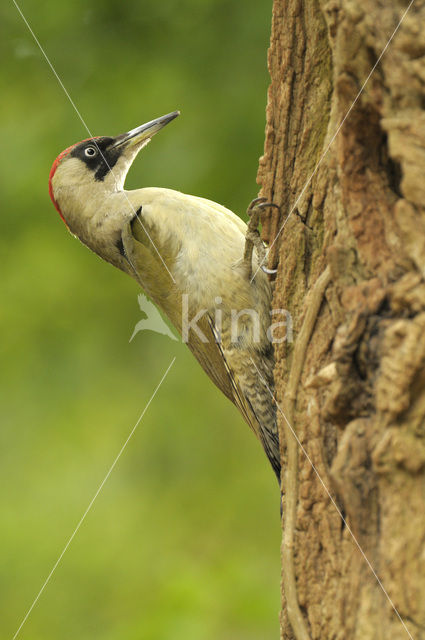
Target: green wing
<point x="144" y="261"/>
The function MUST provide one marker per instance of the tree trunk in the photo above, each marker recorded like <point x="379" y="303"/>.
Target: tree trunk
<point x="351" y="271"/>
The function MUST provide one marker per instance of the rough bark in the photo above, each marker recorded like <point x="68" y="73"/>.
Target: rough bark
<point x="351" y="271"/>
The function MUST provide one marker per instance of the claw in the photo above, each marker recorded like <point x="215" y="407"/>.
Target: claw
<point x="253" y="238"/>
<point x="270" y="272"/>
<point x="255" y="202"/>
<point x="264" y="205"/>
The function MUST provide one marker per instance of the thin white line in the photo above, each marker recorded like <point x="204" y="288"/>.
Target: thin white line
<point x="333" y="502"/>
<point x="88" y="131"/>
<point x="93" y="499"/>
<point x="336" y="133"/>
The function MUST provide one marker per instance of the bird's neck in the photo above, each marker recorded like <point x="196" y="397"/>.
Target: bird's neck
<point x="80" y="203"/>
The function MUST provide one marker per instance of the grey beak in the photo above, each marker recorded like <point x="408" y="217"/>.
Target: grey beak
<point x="145" y="131"/>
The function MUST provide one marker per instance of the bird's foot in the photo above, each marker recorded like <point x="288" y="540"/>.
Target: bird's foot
<point x="253" y="238"/>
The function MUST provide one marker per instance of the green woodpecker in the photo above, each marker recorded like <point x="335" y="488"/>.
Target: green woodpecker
<point x="193" y="257"/>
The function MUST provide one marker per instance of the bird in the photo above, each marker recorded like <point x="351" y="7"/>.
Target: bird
<point x="194" y="258"/>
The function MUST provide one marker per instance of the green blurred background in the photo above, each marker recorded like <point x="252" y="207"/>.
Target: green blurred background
<point x="183" y="541"/>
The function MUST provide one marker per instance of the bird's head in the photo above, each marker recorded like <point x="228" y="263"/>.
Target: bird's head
<point x="95" y="166"/>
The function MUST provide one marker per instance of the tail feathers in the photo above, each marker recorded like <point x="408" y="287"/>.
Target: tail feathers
<point x="269" y="437"/>
<point x="270" y="442"/>
<point x="250" y="393"/>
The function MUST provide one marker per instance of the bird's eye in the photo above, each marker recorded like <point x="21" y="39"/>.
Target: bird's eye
<point x="90" y="152"/>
